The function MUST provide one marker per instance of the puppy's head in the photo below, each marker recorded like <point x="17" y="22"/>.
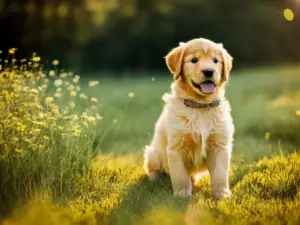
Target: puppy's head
<point x="200" y="64"/>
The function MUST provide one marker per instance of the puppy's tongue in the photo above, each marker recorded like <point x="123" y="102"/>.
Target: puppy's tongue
<point x="208" y="87"/>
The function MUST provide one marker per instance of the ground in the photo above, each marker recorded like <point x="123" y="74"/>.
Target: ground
<point x="265" y="169"/>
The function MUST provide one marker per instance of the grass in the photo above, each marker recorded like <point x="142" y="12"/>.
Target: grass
<point x="110" y="187"/>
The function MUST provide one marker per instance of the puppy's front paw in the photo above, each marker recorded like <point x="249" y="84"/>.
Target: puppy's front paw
<point x="153" y="176"/>
<point x="222" y="194"/>
<point x="183" y="193"/>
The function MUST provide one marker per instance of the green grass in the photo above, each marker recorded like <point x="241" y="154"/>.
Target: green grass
<point x="264" y="178"/>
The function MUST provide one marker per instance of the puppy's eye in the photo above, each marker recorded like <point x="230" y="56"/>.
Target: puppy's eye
<point x="194" y="60"/>
<point x="216" y="60"/>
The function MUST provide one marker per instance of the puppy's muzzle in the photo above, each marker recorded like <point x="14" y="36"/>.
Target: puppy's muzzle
<point x="208" y="73"/>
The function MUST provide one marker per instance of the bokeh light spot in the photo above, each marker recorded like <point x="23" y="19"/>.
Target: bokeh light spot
<point x="288" y="14"/>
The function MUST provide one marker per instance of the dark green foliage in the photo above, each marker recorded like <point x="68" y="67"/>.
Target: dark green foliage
<point x="135" y="35"/>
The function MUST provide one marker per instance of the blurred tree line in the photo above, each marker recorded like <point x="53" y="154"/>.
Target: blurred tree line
<point x="135" y="35"/>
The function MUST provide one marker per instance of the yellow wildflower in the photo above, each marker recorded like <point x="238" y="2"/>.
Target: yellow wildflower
<point x="26" y="89"/>
<point x="77" y="77"/>
<point x="1" y="141"/>
<point x="115" y="121"/>
<point x="65" y="111"/>
<point x="12" y="51"/>
<point x="73" y="93"/>
<point x="58" y="116"/>
<point x="63" y="75"/>
<point x="46" y="138"/>
<point x="42" y="75"/>
<point x="19" y="150"/>
<point x="49" y="99"/>
<point x="35" y="131"/>
<point x="78" y="88"/>
<point x="42" y="87"/>
<point x="36" y="59"/>
<point x="72" y="105"/>
<point x="76" y="130"/>
<point x="75" y="117"/>
<point x="71" y="87"/>
<point x="20" y="127"/>
<point x="83" y="96"/>
<point x="91" y="119"/>
<point x="58" y="82"/>
<point x="298" y="113"/>
<point x="57" y="94"/>
<point x="93" y="83"/>
<point x="59" y="90"/>
<point x="131" y="94"/>
<point x="267" y="136"/>
<point x="34" y="91"/>
<point x="55" y="62"/>
<point x="98" y="117"/>
<point x="94" y="99"/>
<point x="60" y="128"/>
<point x="41" y="115"/>
<point x="84" y="115"/>
<point x="75" y="80"/>
<point x="51" y="73"/>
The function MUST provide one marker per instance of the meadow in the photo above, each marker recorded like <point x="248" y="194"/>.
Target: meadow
<point x="76" y="157"/>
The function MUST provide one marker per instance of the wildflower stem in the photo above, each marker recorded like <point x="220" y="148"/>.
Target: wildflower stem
<point x="103" y="136"/>
<point x="123" y="116"/>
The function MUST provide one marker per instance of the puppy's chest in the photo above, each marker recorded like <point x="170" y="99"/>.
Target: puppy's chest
<point x="199" y="123"/>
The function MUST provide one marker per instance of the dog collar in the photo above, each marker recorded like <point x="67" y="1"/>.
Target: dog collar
<point x="192" y="104"/>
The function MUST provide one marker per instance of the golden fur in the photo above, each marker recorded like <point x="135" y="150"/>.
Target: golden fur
<point x="188" y="141"/>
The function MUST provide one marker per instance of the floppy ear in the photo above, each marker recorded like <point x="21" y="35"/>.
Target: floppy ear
<point x="174" y="60"/>
<point x="227" y="64"/>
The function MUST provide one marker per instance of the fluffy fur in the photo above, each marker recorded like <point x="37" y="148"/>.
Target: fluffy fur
<point x="189" y="141"/>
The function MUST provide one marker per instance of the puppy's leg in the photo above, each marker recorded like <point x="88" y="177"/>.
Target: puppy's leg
<point x="152" y="163"/>
<point x="181" y="180"/>
<point x="218" y="161"/>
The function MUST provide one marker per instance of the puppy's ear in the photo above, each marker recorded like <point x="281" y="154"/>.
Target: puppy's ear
<point x="174" y="60"/>
<point x="227" y="64"/>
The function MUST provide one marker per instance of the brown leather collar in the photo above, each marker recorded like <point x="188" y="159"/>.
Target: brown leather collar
<point x="192" y="104"/>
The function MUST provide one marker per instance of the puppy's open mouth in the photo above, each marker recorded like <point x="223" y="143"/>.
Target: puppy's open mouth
<point x="207" y="87"/>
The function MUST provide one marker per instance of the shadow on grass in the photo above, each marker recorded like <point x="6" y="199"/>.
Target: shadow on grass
<point x="144" y="197"/>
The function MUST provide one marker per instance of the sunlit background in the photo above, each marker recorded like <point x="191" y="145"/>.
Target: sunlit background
<point x="135" y="35"/>
<point x="81" y="83"/>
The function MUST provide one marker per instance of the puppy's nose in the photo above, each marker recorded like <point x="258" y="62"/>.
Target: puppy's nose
<point x="208" y="73"/>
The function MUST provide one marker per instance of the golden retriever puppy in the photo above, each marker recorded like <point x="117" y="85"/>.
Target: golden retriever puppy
<point x="194" y="132"/>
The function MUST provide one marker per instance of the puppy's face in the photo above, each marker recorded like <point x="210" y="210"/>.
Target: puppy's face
<point x="201" y="64"/>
